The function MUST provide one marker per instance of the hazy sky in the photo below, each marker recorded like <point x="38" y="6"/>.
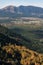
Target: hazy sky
<point x="4" y="3"/>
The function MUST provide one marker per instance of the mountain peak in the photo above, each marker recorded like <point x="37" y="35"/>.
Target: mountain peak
<point x="10" y="6"/>
<point x="9" y="9"/>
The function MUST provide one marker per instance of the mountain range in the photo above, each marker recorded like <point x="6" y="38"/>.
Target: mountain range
<point x="21" y="11"/>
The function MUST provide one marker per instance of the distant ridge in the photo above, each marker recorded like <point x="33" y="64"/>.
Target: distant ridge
<point x="21" y="11"/>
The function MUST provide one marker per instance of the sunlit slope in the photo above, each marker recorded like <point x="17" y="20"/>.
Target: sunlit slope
<point x="19" y="55"/>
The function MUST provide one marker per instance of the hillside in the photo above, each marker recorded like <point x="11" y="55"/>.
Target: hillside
<point x="13" y="36"/>
<point x="19" y="55"/>
<point x="21" y="11"/>
<point x="16" y="49"/>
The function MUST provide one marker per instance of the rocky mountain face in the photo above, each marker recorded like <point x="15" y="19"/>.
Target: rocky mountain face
<point x="21" y="11"/>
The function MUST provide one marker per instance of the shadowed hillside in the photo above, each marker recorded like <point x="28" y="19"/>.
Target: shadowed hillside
<point x="9" y="36"/>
